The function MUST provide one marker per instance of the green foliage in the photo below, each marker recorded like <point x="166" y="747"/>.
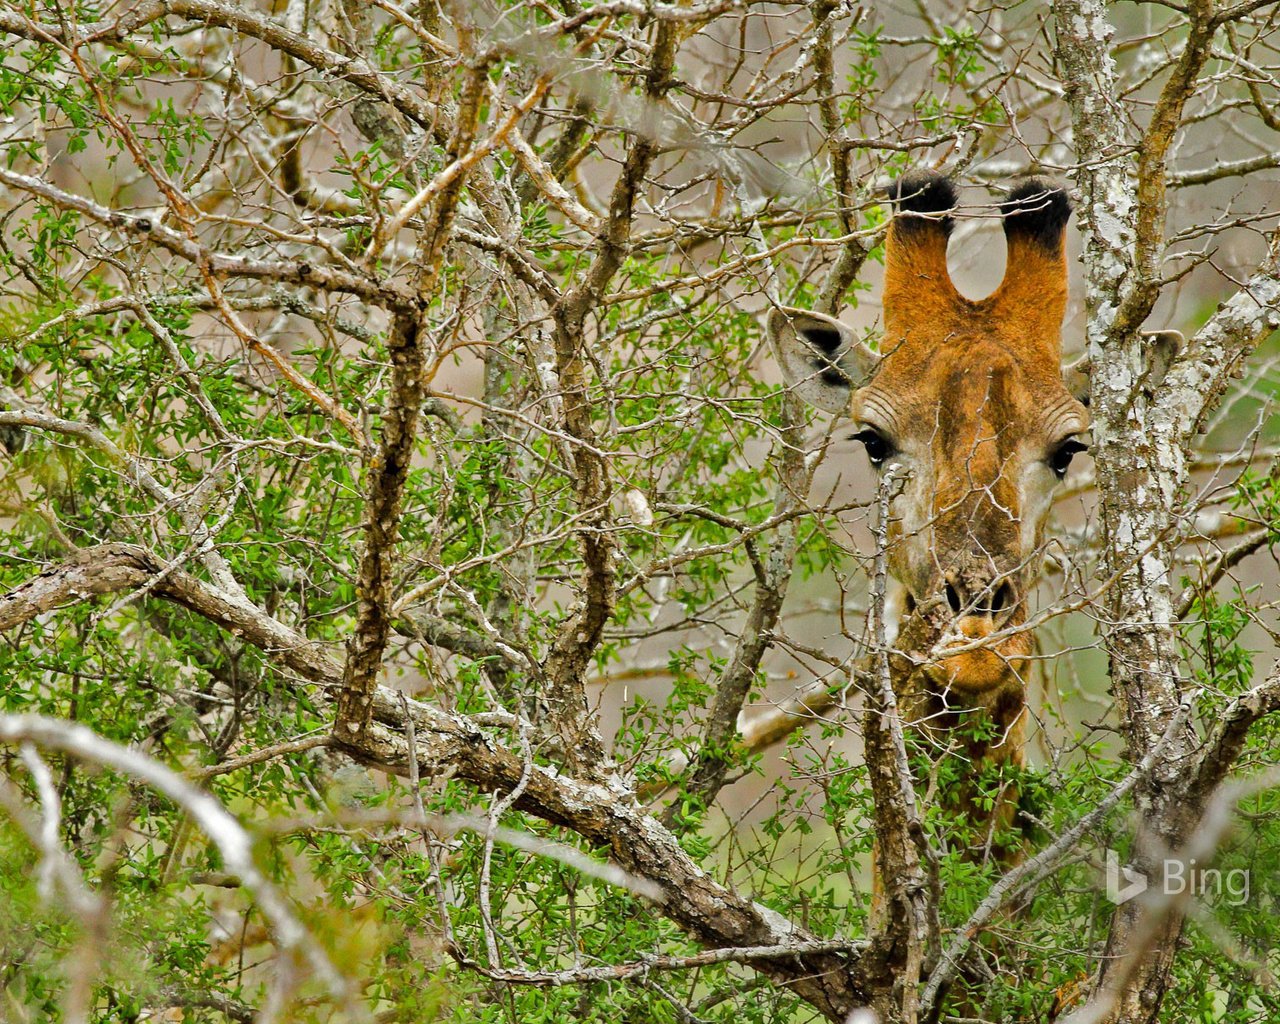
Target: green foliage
<point x="188" y="441"/>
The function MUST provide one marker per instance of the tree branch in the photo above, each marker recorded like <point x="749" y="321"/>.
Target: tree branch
<point x="299" y="271"/>
<point x="715" y="754"/>
<point x="606" y="815"/>
<point x="580" y="634"/>
<point x="1149" y="217"/>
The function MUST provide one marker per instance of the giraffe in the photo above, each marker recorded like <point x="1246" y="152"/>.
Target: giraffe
<point x="965" y="403"/>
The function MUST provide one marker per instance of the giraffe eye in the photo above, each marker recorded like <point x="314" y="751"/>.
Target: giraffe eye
<point x="1062" y="455"/>
<point x="877" y="445"/>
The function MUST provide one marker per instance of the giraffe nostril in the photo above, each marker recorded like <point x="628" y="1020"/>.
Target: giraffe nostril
<point x="1000" y="598"/>
<point x="988" y="603"/>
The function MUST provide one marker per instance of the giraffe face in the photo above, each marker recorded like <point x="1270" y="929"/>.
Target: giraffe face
<point x="977" y="441"/>
<point x="966" y="408"/>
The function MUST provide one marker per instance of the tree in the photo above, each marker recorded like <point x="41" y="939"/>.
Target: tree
<point x="411" y="558"/>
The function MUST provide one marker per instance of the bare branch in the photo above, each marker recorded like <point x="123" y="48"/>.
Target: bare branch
<point x="605" y="815"/>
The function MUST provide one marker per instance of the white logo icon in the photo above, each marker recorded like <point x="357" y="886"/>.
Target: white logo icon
<point x="1123" y="883"/>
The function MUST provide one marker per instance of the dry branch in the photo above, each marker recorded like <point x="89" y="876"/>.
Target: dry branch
<point x="604" y="813"/>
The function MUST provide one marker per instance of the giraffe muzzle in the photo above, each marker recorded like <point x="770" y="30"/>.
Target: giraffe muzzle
<point x="974" y="610"/>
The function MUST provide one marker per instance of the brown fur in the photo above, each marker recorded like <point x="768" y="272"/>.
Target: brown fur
<point x="974" y="390"/>
<point x="966" y="406"/>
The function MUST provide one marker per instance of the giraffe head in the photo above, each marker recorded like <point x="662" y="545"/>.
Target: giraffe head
<point x="966" y="405"/>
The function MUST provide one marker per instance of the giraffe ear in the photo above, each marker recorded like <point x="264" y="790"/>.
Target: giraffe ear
<point x="822" y="360"/>
<point x="1076" y="378"/>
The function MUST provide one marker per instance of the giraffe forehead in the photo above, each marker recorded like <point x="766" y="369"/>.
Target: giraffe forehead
<point x="955" y="391"/>
<point x="980" y="403"/>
